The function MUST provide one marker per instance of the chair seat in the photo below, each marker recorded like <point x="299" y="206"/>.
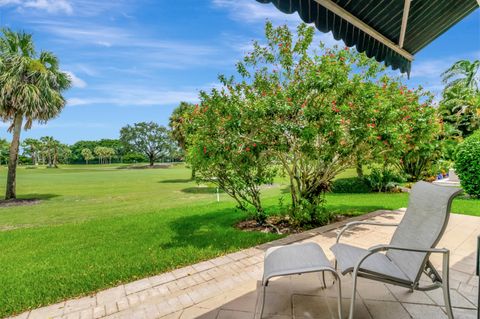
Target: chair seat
<point x="348" y="256"/>
<point x="295" y="259"/>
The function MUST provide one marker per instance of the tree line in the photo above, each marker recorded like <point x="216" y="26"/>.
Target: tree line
<point x="144" y="142"/>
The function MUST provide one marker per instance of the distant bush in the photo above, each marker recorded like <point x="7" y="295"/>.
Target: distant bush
<point x="384" y="180"/>
<point x="351" y="185"/>
<point x="467" y="164"/>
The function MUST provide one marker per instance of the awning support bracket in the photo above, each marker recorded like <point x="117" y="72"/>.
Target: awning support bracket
<point x="403" y="30"/>
<point x="344" y="14"/>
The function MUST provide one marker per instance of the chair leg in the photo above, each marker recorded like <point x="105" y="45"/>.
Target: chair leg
<point x="446" y="285"/>
<point x="263" y="299"/>
<point x="339" y="300"/>
<point x="354" y="290"/>
<point x="336" y="271"/>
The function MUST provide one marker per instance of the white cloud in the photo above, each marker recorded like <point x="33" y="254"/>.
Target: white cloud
<point x="252" y="11"/>
<point x="76" y="81"/>
<point x="50" y="6"/>
<point x="136" y="96"/>
<point x="255" y="12"/>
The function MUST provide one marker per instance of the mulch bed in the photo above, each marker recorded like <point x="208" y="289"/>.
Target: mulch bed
<point x="19" y="202"/>
<point x="278" y="225"/>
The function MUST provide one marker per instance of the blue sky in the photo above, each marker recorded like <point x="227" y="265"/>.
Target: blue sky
<point x="135" y="60"/>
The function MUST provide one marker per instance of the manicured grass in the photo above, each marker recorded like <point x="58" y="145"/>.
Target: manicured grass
<point x="98" y="226"/>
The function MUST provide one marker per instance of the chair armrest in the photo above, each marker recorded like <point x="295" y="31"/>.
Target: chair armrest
<point x="352" y="224"/>
<point x="378" y="248"/>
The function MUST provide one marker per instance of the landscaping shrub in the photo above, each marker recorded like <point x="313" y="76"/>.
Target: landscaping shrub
<point x="351" y="185"/>
<point x="467" y="164"/>
<point x="135" y="158"/>
<point x="383" y="180"/>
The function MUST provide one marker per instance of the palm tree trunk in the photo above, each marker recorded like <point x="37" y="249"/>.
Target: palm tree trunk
<point x="11" y="192"/>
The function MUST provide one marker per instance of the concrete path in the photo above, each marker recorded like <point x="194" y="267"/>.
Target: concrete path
<point x="226" y="287"/>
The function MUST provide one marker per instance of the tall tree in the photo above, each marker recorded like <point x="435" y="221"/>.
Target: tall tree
<point x="177" y="123"/>
<point x="87" y="155"/>
<point x="31" y="87"/>
<point x="51" y="147"/>
<point x="147" y="138"/>
<point x="32" y="147"/>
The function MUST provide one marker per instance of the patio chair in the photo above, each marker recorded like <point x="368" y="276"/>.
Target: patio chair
<point x="403" y="261"/>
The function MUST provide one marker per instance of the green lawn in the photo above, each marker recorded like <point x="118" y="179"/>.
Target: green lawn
<point x="98" y="226"/>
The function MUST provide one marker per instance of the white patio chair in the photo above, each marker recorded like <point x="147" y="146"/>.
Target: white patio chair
<point x="403" y="261"/>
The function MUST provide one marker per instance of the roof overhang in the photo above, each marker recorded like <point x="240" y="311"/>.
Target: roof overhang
<point x="391" y="31"/>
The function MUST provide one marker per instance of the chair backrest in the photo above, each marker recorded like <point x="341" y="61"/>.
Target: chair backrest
<point x="422" y="226"/>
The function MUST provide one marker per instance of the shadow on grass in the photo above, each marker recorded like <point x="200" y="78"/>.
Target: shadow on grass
<point x="215" y="231"/>
<point x="38" y="196"/>
<point x="26" y="200"/>
<point x="201" y="190"/>
<point x="174" y="181"/>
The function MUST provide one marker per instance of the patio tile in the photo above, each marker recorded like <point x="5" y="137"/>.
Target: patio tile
<point x="86" y="314"/>
<point x="457" y="299"/>
<point x="276" y="304"/>
<point x="182" y="272"/>
<point x="49" y="311"/>
<point x="75" y="305"/>
<point x="111" y="308"/>
<point x="122" y="304"/>
<point x="418" y="311"/>
<point x="199" y="312"/>
<point x="137" y="286"/>
<point x="371" y="290"/>
<point x="246" y="302"/>
<point x="203" y="266"/>
<point x="386" y="309"/>
<point x="161" y="279"/>
<point x="112" y="294"/>
<point x="99" y="312"/>
<point x="234" y="314"/>
<point x="465" y="313"/>
<point x="405" y="295"/>
<point x="325" y="308"/>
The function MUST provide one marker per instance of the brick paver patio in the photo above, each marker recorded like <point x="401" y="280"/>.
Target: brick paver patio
<point x="226" y="287"/>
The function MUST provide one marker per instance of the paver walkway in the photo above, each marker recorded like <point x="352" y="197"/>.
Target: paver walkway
<point x="226" y="287"/>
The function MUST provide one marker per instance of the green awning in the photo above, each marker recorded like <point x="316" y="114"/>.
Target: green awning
<point x="392" y="31"/>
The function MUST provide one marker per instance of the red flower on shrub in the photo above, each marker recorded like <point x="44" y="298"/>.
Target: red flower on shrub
<point x="204" y="150"/>
<point x="254" y="144"/>
<point x="247" y="149"/>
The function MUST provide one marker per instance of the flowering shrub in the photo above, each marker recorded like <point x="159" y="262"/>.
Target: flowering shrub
<point x="311" y="113"/>
<point x="225" y="148"/>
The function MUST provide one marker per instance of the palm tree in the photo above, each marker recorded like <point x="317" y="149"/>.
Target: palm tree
<point x="177" y="125"/>
<point x="31" y="87"/>
<point x="460" y="105"/>
<point x="463" y="73"/>
<point x="32" y="147"/>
